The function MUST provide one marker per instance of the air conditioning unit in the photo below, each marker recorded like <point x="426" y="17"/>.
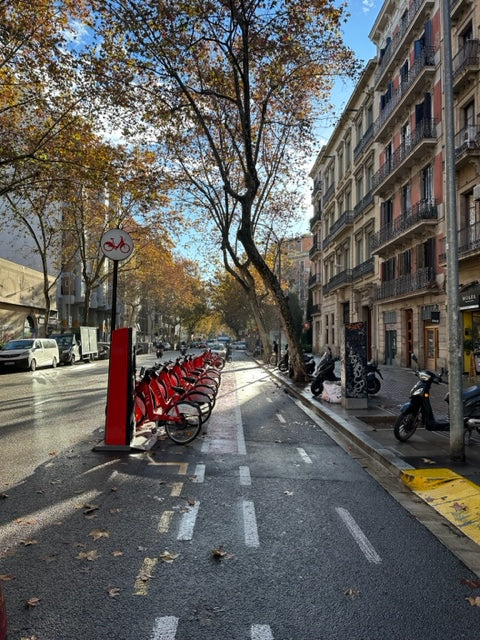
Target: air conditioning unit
<point x="476" y="192"/>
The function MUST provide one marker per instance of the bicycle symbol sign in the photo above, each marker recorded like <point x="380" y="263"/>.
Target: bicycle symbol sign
<point x="116" y="244"/>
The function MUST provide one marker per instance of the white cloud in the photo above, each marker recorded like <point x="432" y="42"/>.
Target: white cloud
<point x="368" y="5"/>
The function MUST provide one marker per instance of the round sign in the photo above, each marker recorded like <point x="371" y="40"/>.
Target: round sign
<point x="116" y="244"/>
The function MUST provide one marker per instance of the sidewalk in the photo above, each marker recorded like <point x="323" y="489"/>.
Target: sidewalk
<point x="423" y="462"/>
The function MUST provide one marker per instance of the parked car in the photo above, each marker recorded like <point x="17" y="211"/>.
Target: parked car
<point x="29" y="353"/>
<point x="240" y="345"/>
<point x="68" y="347"/>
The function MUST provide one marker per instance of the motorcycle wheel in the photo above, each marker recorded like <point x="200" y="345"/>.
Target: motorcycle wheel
<point x="406" y="425"/>
<point x="282" y="366"/>
<point x="316" y="387"/>
<point x="373" y="386"/>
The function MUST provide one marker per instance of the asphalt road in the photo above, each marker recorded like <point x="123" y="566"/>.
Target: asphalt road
<point x="262" y="529"/>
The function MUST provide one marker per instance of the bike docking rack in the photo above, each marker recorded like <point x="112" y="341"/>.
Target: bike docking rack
<point x="171" y="400"/>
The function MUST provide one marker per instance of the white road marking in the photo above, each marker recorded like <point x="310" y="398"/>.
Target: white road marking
<point x="281" y="418"/>
<point x="165" y="628"/>
<point x="358" y="535"/>
<point x="199" y="475"/>
<point x="245" y="479"/>
<point x="268" y="399"/>
<point x="250" y="524"/>
<point x="242" y="449"/>
<point x="187" y="523"/>
<point x="261" y="632"/>
<point x="304" y="455"/>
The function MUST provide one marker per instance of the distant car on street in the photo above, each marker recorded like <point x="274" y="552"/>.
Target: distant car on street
<point x="218" y="348"/>
<point x="240" y="345"/>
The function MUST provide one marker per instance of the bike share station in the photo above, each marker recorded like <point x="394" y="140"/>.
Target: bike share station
<point x="117" y="245"/>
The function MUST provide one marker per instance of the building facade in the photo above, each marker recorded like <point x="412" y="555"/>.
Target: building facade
<point x="379" y="217"/>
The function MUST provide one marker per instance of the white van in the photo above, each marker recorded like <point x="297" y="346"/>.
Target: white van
<point x="29" y="353"/>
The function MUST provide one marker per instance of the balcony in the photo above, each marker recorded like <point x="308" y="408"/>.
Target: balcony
<point x="314" y="249"/>
<point x="468" y="243"/>
<point x="339" y="281"/>
<point x="407" y="285"/>
<point x="399" y="45"/>
<point x="314" y="279"/>
<point x="364" y="269"/>
<point x="410" y="224"/>
<point x="365" y="203"/>
<point x="420" y="143"/>
<point x="345" y="221"/>
<point x="467" y="145"/>
<point x="465" y="66"/>
<point x="328" y="194"/>
<point x="364" y="142"/>
<point x="313" y="221"/>
<point x="411" y="87"/>
<point x="458" y="8"/>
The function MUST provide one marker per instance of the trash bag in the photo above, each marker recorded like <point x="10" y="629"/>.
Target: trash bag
<point x="332" y="392"/>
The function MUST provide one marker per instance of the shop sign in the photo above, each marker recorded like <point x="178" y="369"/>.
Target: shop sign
<point x="469" y="301"/>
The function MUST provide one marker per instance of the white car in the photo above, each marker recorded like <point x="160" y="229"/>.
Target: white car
<point x="219" y="348"/>
<point x="240" y="345"/>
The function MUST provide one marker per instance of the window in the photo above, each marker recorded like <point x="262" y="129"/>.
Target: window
<point x="386" y="213"/>
<point x="359" y="185"/>
<point x="426" y="184"/>
<point x="359" y="249"/>
<point x="388" y="270"/>
<point x="405" y="263"/>
<point x="346" y="312"/>
<point x="369" y="178"/>
<point x="406" y="198"/>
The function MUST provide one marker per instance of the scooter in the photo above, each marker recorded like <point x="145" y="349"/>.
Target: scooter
<point x="373" y="375"/>
<point x="159" y="351"/>
<point x="418" y="411"/>
<point x="325" y="372"/>
<point x="309" y="365"/>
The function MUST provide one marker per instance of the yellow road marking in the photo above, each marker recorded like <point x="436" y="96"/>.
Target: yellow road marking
<point x="176" y="489"/>
<point x="142" y="581"/>
<point x="182" y="466"/>
<point x="453" y="496"/>
<point x="165" y="520"/>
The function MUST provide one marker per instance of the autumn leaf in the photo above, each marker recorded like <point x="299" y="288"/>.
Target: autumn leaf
<point x="27" y="543"/>
<point x="220" y="553"/>
<point x="96" y="534"/>
<point x="3" y="495"/>
<point x="5" y="577"/>
<point x="32" y="602"/>
<point x="459" y="507"/>
<point x="473" y="584"/>
<point x="428" y="461"/>
<point x="475" y="602"/>
<point x="351" y="592"/>
<point x="113" y="592"/>
<point x="88" y="555"/>
<point x="168" y="557"/>
<point x="117" y="554"/>
<point x="288" y="493"/>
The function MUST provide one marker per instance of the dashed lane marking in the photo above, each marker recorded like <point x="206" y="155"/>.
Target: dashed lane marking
<point x="358" y="535"/>
<point x="199" y="475"/>
<point x="182" y="466"/>
<point x="281" y="418"/>
<point x="245" y="478"/>
<point x="165" y="628"/>
<point x="261" y="632"/>
<point x="250" y="524"/>
<point x="187" y="523"/>
<point x="304" y="455"/>
<point x="164" y="522"/>
<point x="176" y="489"/>
<point x="142" y="581"/>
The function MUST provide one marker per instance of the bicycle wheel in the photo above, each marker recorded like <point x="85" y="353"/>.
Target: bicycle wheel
<point x="185" y="423"/>
<point x="273" y="359"/>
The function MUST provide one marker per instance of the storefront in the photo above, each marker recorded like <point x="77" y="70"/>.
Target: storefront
<point x="470" y="308"/>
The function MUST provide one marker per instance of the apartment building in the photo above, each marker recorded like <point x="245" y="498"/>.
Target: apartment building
<point x="379" y="219"/>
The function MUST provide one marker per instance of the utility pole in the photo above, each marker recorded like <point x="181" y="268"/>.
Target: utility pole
<point x="455" y="350"/>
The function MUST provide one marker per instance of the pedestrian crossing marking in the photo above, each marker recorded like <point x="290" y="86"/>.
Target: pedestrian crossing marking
<point x="176" y="489"/>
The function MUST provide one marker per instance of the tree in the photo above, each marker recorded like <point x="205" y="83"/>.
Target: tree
<point x="241" y="80"/>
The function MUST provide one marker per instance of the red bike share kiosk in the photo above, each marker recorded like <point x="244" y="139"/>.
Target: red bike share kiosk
<point x="120" y="411"/>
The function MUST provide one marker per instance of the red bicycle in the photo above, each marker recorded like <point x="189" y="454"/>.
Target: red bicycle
<point x="121" y="245"/>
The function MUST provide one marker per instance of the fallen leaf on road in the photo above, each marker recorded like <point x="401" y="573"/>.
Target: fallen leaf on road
<point x="428" y="461"/>
<point x="32" y="602"/>
<point x="117" y="554"/>
<point x="96" y="534"/>
<point x="27" y="543"/>
<point x="475" y="602"/>
<point x="5" y="577"/>
<point x="220" y="553"/>
<point x="88" y="555"/>
<point x="288" y="493"/>
<point x="473" y="584"/>
<point x="459" y="507"/>
<point x="351" y="592"/>
<point x="113" y="592"/>
<point x="168" y="557"/>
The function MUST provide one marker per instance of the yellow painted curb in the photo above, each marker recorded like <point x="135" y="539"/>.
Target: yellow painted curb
<point x="453" y="496"/>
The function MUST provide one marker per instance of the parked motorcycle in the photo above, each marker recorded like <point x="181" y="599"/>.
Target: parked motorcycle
<point x="325" y="372"/>
<point x="283" y="362"/>
<point x="418" y="411"/>
<point x="159" y="351"/>
<point x="373" y="378"/>
<point x="309" y="361"/>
